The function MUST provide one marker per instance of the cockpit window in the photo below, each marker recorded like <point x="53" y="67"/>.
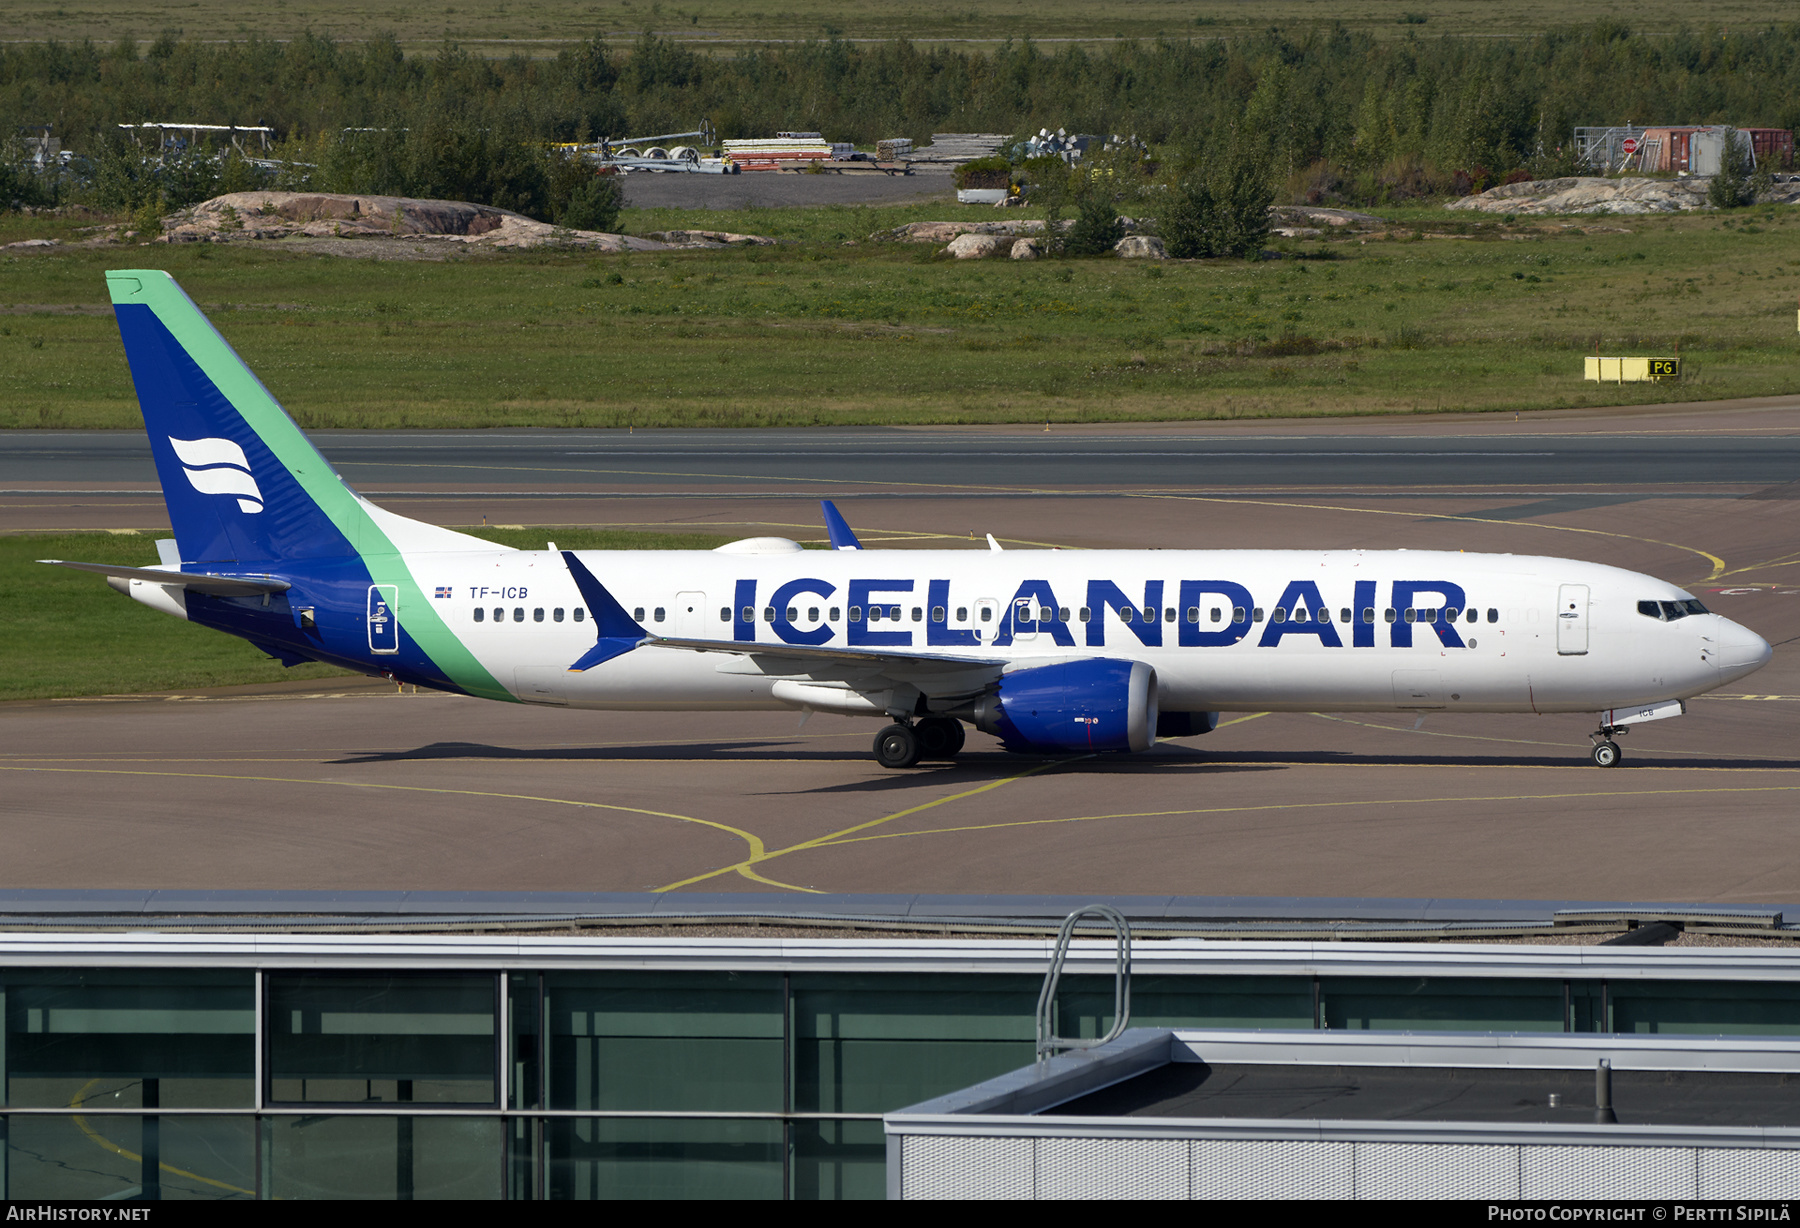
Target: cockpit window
<point x="1669" y="611"/>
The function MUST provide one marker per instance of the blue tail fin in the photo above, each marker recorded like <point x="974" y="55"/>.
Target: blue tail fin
<point x="241" y="481"/>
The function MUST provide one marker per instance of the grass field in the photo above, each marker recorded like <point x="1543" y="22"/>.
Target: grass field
<point x="1442" y="313"/>
<point x="68" y="634"/>
<point x="537" y="27"/>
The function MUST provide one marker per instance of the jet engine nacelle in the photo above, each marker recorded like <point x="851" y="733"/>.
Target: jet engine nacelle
<point x="1096" y="704"/>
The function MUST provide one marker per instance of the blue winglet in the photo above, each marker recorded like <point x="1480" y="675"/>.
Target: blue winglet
<point x="841" y="536"/>
<point x="615" y="631"/>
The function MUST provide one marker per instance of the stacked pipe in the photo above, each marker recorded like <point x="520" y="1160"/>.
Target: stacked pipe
<point x="770" y="155"/>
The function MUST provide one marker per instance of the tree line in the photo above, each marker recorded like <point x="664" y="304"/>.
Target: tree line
<point x="1321" y="111"/>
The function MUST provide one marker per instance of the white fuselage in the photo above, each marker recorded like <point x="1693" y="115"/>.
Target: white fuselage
<point x="1226" y="630"/>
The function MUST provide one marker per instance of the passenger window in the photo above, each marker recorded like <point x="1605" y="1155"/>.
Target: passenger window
<point x="1084" y="614"/>
<point x="637" y="614"/>
<point x="659" y="613"/>
<point x="518" y="613"/>
<point x="1430" y="615"/>
<point x="1062" y="614"/>
<point x="1450" y="613"/>
<point x="1411" y="615"/>
<point x="768" y="613"/>
<point x="537" y="615"/>
<point x="1168" y="615"/>
<point x="1237" y="613"/>
<point x="962" y="613"/>
<point x="1256" y="614"/>
<point x="557" y="614"/>
<point x="1368" y="613"/>
<point x="480" y="613"/>
<point x="1493" y="615"/>
<point x="1278" y="615"/>
<point x="1472" y="615"/>
<point x="499" y="615"/>
<point x="579" y="613"/>
<point x="1149" y="613"/>
<point x="856" y="614"/>
<point x="894" y="613"/>
<point x="937" y="613"/>
<point x="834" y="613"/>
<point x="789" y="614"/>
<point x="724" y="613"/>
<point x="1390" y="614"/>
<point x="918" y="614"/>
<point x="1217" y="613"/>
<point x="1126" y="614"/>
<point x="812" y="614"/>
<point x="1344" y="615"/>
<point x="874" y="613"/>
<point x="749" y="614"/>
<point x="987" y="615"/>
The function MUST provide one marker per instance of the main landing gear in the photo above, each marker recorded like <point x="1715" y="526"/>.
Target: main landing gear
<point x="1606" y="752"/>
<point x="934" y="737"/>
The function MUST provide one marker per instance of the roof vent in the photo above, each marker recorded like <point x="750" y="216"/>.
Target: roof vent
<point x="760" y="545"/>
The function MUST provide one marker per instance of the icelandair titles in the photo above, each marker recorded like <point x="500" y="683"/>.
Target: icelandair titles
<point x="1206" y="614"/>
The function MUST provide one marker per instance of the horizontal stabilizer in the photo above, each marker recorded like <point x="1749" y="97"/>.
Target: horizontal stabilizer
<point x="198" y="582"/>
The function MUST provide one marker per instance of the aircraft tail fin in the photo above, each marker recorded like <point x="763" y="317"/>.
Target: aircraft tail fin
<point x="243" y="484"/>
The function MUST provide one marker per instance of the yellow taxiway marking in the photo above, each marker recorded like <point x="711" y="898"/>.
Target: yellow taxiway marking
<point x="754" y="841"/>
<point x="1483" y="737"/>
<point x="1718" y="564"/>
<point x="744" y="867"/>
<point x="99" y="1140"/>
<point x="1280" y="806"/>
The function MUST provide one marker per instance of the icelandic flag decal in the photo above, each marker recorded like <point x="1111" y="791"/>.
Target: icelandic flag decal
<point x="443" y="591"/>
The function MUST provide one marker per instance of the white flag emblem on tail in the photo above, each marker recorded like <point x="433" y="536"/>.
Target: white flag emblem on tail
<point x="218" y="467"/>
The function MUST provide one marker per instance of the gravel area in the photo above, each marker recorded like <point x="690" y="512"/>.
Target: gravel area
<point x="776" y="189"/>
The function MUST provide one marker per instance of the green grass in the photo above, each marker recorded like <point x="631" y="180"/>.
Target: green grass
<point x="541" y="27"/>
<point x="69" y="634"/>
<point x="1477" y="315"/>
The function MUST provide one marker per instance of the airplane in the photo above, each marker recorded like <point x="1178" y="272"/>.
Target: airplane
<point x="1051" y="652"/>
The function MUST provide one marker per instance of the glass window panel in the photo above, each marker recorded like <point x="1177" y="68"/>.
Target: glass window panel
<point x="651" y="1158"/>
<point x="839" y="1159"/>
<point x="679" y="1040"/>
<point x="1443" y="1003"/>
<point x="1084" y="1004"/>
<point x="115" y="1158"/>
<point x="416" y="1157"/>
<point x="869" y="1044"/>
<point x="381" y="1039"/>
<point x="191" y="1031"/>
<point x="1679" y="1007"/>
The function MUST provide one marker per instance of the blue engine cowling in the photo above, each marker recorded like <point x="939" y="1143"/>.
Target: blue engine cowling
<point x="1099" y="704"/>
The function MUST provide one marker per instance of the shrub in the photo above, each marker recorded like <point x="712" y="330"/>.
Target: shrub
<point x="1225" y="213"/>
<point x="1731" y="186"/>
<point x="993" y="171"/>
<point x="1096" y="228"/>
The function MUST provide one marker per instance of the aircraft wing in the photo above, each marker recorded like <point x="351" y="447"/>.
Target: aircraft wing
<point x="940" y="675"/>
<point x="199" y="582"/>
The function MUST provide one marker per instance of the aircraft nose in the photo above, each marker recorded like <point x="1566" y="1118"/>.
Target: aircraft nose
<point x="1741" y="650"/>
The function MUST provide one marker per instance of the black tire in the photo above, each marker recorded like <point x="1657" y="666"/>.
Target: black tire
<point x="940" y="737"/>
<point x="1606" y="754"/>
<point x="897" y="746"/>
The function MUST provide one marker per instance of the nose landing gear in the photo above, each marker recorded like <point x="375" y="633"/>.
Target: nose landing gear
<point x="1606" y="752"/>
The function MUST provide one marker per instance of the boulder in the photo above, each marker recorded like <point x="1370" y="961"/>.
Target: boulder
<point x="1026" y="249"/>
<point x="973" y="247"/>
<point x="1140" y="247"/>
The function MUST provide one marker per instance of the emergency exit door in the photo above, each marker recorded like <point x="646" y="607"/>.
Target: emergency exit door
<point x="1572" y="620"/>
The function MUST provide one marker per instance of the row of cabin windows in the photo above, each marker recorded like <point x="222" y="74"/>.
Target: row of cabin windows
<point x="1127" y="614"/>
<point x="518" y="614"/>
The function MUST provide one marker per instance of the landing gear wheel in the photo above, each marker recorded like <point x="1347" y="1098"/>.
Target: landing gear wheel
<point x="1606" y="754"/>
<point x="897" y="746"/>
<point x="940" y="737"/>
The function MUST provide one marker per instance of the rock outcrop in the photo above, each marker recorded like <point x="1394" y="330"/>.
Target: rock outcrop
<point x="1140" y="247"/>
<point x="241" y="216"/>
<point x="973" y="247"/>
<point x="1590" y="194"/>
